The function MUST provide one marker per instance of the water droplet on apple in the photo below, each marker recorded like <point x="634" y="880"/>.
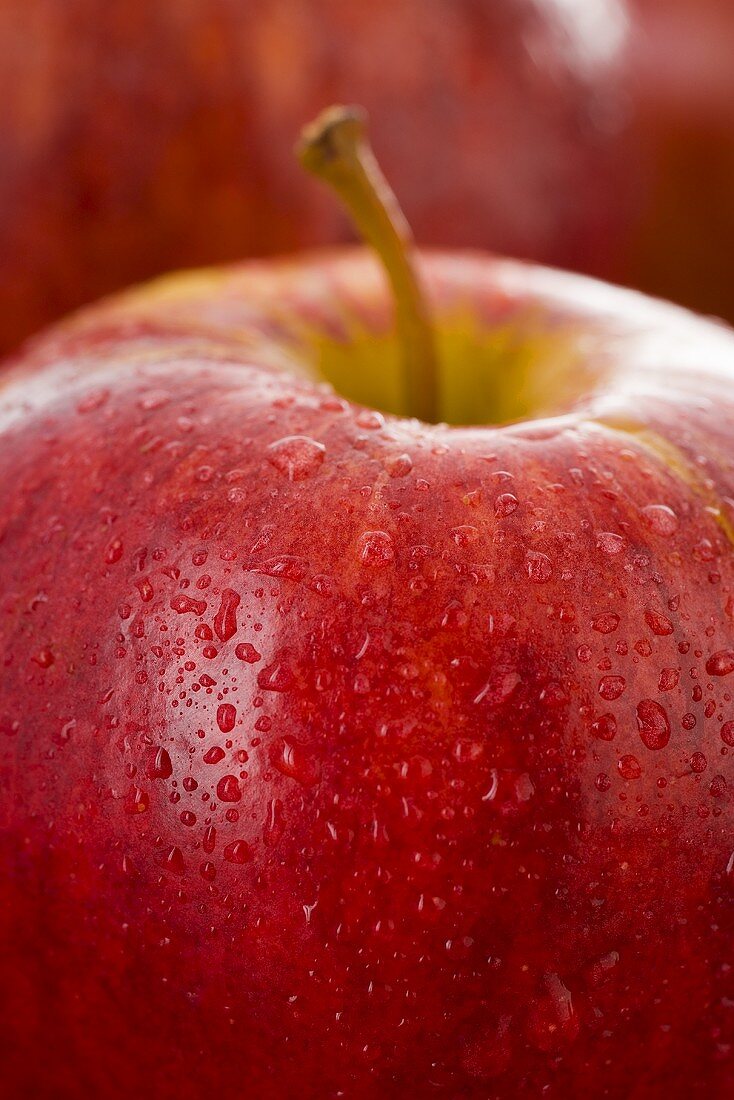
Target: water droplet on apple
<point x="669" y="678"/>
<point x="159" y="764"/>
<point x="605" y="727"/>
<point x="185" y="605"/>
<point x="609" y="543"/>
<point x="296" y="456"/>
<point x="465" y="535"/>
<point x="247" y="653"/>
<point x="721" y="663"/>
<point x="137" y="801"/>
<point x="273" y="829"/>
<point x="698" y="763"/>
<point x="375" y="548"/>
<point x="659" y="624"/>
<point x="370" y="419"/>
<point x="295" y="760"/>
<point x="173" y="860"/>
<point x="228" y="789"/>
<point x="289" y="566"/>
<point x="225" y="620"/>
<point x="653" y="724"/>
<point x="606" y="623"/>
<point x="399" y="465"/>
<point x="113" y="552"/>
<point x="611" y="687"/>
<point x="214" y="755"/>
<point x="238" y="852"/>
<point x="538" y="566"/>
<point x="629" y="767"/>
<point x="718" y="787"/>
<point x="226" y="717"/>
<point x="275" y="677"/>
<point x="505" y="505"/>
<point x="145" y="588"/>
<point x="208" y="871"/>
<point x="661" y="519"/>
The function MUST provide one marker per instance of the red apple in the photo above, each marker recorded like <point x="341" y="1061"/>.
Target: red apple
<point x="682" y="91"/>
<point x="345" y="755"/>
<point x="138" y="137"/>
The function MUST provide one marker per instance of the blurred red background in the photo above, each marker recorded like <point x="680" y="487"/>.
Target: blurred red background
<point x="680" y="61"/>
<point x="143" y="137"/>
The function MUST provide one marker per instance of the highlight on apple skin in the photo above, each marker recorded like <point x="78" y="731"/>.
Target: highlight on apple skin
<point x="344" y="754"/>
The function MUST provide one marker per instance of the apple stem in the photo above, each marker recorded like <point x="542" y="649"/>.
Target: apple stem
<point x="335" y="148"/>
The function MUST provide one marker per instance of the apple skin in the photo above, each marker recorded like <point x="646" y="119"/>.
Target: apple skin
<point x="147" y="137"/>
<point x="681" y="84"/>
<point x="341" y="754"/>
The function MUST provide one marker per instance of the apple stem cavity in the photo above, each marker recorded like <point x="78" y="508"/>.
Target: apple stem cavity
<point x="335" y="148"/>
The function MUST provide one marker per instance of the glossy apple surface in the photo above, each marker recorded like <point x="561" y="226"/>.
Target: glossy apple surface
<point x="343" y="754"/>
<point x="143" y="137"/>
<point x="682" y="90"/>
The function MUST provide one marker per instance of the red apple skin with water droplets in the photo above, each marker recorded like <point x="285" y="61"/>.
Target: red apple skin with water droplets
<point x="400" y="840"/>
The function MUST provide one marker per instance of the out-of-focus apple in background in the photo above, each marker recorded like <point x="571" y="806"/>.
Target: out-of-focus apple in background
<point x="140" y="137"/>
<point x="137" y="138"/>
<point x="681" y="63"/>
